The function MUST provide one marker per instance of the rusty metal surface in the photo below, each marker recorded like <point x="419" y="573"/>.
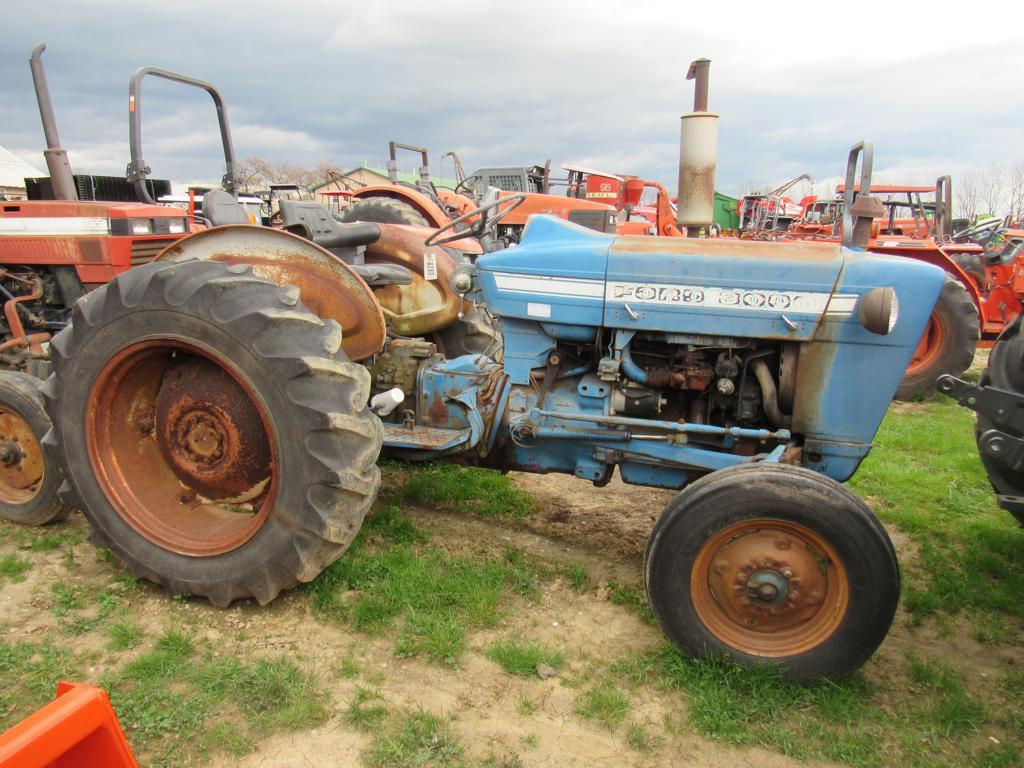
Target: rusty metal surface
<point x="726" y="247"/>
<point x="19" y="338"/>
<point x="210" y="432"/>
<point x="769" y="588"/>
<point x="423" y="306"/>
<point x="155" y="456"/>
<point x="327" y="285"/>
<point x="21" y="460"/>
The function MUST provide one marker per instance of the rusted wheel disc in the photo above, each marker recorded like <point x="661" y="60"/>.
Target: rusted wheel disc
<point x="769" y="588"/>
<point x="21" y="460"/>
<point x="182" y="447"/>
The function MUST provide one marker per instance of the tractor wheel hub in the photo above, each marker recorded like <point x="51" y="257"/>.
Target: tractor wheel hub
<point x="210" y="432"/>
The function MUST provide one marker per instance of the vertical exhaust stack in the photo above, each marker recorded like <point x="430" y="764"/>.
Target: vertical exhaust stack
<point x="56" y="158"/>
<point x="698" y="151"/>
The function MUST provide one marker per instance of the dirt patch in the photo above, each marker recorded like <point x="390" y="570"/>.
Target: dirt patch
<point x="615" y="519"/>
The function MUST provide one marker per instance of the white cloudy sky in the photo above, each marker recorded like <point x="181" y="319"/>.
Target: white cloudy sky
<point x="937" y="86"/>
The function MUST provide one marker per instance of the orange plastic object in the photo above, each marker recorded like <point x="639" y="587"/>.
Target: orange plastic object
<point x="77" y="729"/>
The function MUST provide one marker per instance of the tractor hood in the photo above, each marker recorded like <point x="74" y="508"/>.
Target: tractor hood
<point x="563" y="273"/>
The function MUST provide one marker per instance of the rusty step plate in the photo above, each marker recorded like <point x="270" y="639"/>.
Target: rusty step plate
<point x="424" y="438"/>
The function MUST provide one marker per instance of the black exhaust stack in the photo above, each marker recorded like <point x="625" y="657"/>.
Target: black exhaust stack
<point x="56" y="158"/>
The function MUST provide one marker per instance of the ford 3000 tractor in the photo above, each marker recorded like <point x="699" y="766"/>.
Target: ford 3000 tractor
<point x="219" y="413"/>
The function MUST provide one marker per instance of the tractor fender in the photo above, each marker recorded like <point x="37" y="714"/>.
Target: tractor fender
<point x="931" y="253"/>
<point x="430" y="210"/>
<point x="327" y="286"/>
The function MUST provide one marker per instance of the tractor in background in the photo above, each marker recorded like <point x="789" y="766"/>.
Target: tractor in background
<point x="768" y="215"/>
<point x="424" y="204"/>
<point x="983" y="289"/>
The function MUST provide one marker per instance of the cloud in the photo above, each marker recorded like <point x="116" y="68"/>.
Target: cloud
<point x="598" y="83"/>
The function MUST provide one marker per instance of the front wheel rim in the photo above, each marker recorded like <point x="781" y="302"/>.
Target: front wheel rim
<point x="769" y="588"/>
<point x="182" y="447"/>
<point x="22" y="465"/>
<point x="930" y="346"/>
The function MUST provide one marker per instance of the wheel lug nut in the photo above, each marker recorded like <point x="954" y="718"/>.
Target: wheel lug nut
<point x="787" y="573"/>
<point x="721" y="566"/>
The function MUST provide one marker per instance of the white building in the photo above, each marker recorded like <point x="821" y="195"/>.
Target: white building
<point x="13" y="171"/>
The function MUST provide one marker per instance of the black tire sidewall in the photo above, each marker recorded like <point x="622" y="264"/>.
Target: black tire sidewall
<point x="383" y="210"/>
<point x="960" y="319"/>
<point x="803" y="498"/>
<point x="180" y="569"/>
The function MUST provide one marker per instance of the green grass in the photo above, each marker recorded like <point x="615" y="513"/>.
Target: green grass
<point x="522" y="659"/>
<point x="13" y="567"/>
<point x="416" y="740"/>
<point x="124" y="635"/>
<point x="462" y="489"/>
<point x="631" y="597"/>
<point x="366" y="710"/>
<point x="927" y="716"/>
<point x="604" y="703"/>
<point x="639" y="738"/>
<point x="180" y="704"/>
<point x="924" y="476"/>
<point x="391" y="576"/>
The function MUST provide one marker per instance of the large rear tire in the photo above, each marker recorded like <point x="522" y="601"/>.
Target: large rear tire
<point x="383" y="210"/>
<point x="212" y="430"/>
<point x="771" y="563"/>
<point x="28" y="482"/>
<point x="1005" y="371"/>
<point x="947" y="344"/>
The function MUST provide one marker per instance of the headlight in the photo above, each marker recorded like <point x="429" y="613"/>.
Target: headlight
<point x="176" y="226"/>
<point x="879" y="310"/>
<point x="142" y="227"/>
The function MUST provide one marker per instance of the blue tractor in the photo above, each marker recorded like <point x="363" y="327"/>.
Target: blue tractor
<point x="220" y="411"/>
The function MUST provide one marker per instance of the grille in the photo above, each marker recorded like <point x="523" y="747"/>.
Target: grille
<point x="143" y="251"/>
<point x="508" y="183"/>
<point x="111" y="189"/>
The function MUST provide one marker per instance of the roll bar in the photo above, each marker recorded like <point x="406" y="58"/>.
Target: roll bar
<point x="137" y="169"/>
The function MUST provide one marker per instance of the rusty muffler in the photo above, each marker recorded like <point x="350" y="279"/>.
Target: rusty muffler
<point x="698" y="152"/>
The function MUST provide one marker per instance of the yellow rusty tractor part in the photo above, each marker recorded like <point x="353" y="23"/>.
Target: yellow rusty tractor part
<point x="428" y="304"/>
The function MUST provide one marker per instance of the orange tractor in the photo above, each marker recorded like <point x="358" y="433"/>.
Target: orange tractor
<point x="983" y="289"/>
<point x="424" y="204"/>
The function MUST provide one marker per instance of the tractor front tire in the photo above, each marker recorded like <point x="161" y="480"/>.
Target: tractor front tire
<point x="383" y="210"/>
<point x="28" y="482"/>
<point x="212" y="430"/>
<point x="771" y="563"/>
<point x="947" y="344"/>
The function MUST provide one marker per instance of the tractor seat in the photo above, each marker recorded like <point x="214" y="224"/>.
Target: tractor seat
<point x="348" y="242"/>
<point x="221" y="208"/>
<point x="312" y="221"/>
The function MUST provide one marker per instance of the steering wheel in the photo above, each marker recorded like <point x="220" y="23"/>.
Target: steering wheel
<point x="480" y="227"/>
<point x="466" y="185"/>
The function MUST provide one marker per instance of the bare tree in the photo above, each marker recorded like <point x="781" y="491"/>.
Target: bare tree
<point x="1015" y="192"/>
<point x="967" y="193"/>
<point x="255" y="173"/>
<point x="991" y="191"/>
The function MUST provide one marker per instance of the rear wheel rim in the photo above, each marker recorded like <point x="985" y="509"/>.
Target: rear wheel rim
<point x="22" y="466"/>
<point x="930" y="347"/>
<point x="196" y="475"/>
<point x="769" y="588"/>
